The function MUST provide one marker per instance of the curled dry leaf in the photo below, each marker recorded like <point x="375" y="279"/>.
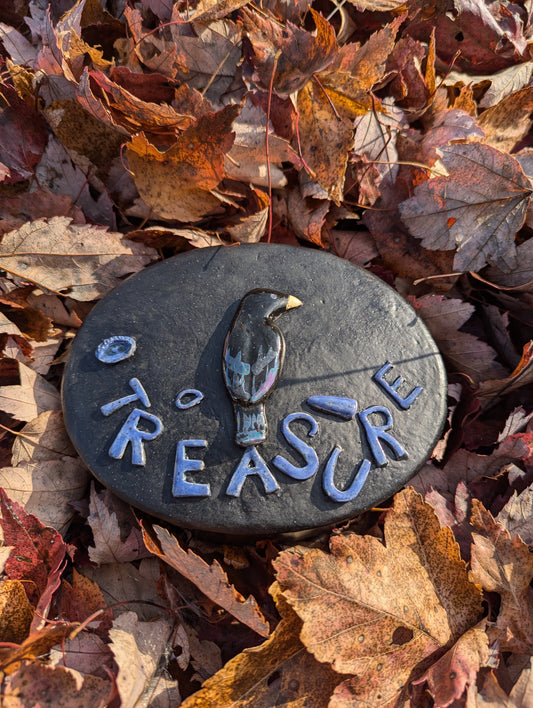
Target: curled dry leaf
<point x="210" y="579"/>
<point x="521" y="376"/>
<point x="379" y="611"/>
<point x="504" y="565"/>
<point x="36" y="644"/>
<point x="477" y="209"/>
<point x="85" y="260"/>
<point x="278" y="672"/>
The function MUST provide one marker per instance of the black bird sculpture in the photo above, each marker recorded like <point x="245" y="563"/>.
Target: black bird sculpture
<point x="252" y="360"/>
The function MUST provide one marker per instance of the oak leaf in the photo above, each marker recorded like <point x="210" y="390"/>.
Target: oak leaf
<point x="504" y="565"/>
<point x="279" y="672"/>
<point x="210" y="579"/>
<point x="57" y="255"/>
<point x="177" y="184"/>
<point x="379" y="611"/>
<point x="477" y="209"/>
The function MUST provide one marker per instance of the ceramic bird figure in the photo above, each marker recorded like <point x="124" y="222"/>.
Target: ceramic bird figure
<point x="252" y="360"/>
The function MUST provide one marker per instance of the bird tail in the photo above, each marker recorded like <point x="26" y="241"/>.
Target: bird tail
<point x="251" y="424"/>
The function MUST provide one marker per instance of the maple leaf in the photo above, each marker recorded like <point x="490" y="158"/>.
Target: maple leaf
<point x="517" y="515"/>
<point x="81" y="599"/>
<point x="278" y="672"/>
<point x="379" y="611"/>
<point x="116" y="535"/>
<point x="46" y="475"/>
<point x="38" y="555"/>
<point x="56" y="255"/>
<point x="288" y="55"/>
<point x="37" y="644"/>
<point x="504" y="565"/>
<point x="210" y="579"/>
<point x="177" y="183"/>
<point x="506" y="123"/>
<point x="22" y="137"/>
<point x="462" y="351"/>
<point x="477" y="209"/>
<point x="33" y="396"/>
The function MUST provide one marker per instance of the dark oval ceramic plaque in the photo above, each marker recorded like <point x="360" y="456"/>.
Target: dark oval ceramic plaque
<point x="255" y="390"/>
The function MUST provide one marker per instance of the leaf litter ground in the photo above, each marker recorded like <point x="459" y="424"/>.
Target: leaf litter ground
<point x="394" y="134"/>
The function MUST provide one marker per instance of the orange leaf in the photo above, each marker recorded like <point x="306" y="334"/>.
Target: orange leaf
<point x="210" y="579"/>
<point x="379" y="611"/>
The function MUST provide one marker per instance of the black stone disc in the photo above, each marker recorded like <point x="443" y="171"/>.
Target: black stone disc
<point x="182" y="385"/>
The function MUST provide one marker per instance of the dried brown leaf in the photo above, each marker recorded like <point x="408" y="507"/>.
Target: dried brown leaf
<point x="279" y="672"/>
<point x="507" y="122"/>
<point x="176" y="184"/>
<point x="517" y="515"/>
<point x="138" y="648"/>
<point x="477" y="209"/>
<point x="33" y="396"/>
<point x="57" y="255"/>
<point x="378" y="611"/>
<point x="210" y="579"/>
<point x="504" y="565"/>
<point x="16" y="613"/>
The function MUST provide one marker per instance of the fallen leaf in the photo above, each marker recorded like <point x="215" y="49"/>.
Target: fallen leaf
<point x="307" y="217"/>
<point x="138" y="648"/>
<point x="127" y="587"/>
<point x="517" y="515"/>
<point x="22" y="136"/>
<point x="462" y="351"/>
<point x="36" y="645"/>
<point x="380" y="611"/>
<point x="504" y="565"/>
<point x="477" y="209"/>
<point x="114" y="541"/>
<point x="16" y="613"/>
<point x="62" y="687"/>
<point x="177" y="183"/>
<point x="30" y="398"/>
<point x="325" y="139"/>
<point x="57" y="255"/>
<point x="521" y="376"/>
<point x="507" y="122"/>
<point x="278" y="672"/>
<point x="81" y="599"/>
<point x="250" y="228"/>
<point x="285" y="54"/>
<point x="450" y="675"/>
<point x="85" y="652"/>
<point x="210" y="579"/>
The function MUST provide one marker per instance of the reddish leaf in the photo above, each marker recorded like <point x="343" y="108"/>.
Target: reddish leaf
<point x="22" y="136"/>
<point x="486" y="192"/>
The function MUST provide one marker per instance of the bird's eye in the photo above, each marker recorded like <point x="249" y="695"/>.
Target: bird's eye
<point x="273" y="296"/>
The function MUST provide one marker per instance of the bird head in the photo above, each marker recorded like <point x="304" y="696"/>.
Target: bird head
<point x="267" y="304"/>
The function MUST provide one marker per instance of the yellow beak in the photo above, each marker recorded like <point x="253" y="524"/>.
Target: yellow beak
<point x="292" y="302"/>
